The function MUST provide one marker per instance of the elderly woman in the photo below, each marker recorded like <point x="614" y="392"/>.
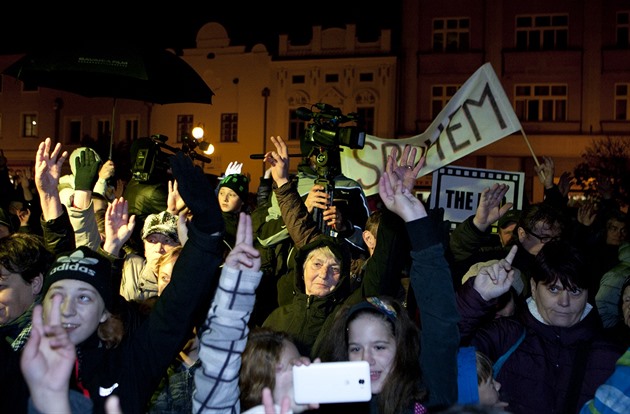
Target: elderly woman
<point x="322" y="263"/>
<point x="560" y="356"/>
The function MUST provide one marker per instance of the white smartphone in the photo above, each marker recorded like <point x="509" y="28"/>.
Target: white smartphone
<point x="332" y="382"/>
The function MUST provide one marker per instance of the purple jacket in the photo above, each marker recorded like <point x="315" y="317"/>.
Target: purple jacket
<point x="536" y="376"/>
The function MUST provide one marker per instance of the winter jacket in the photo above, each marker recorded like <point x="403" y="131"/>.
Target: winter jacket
<point x="537" y="376"/>
<point x="609" y="293"/>
<point x="85" y="227"/>
<point x="139" y="282"/>
<point x="134" y="368"/>
<point x="431" y="282"/>
<point x="223" y="341"/>
<point x="138" y="364"/>
<point x="307" y="318"/>
<point x="469" y="245"/>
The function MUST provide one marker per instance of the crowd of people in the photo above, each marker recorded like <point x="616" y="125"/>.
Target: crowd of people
<point x="206" y="304"/>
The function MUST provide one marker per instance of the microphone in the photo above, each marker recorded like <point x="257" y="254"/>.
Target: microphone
<point x="262" y="156"/>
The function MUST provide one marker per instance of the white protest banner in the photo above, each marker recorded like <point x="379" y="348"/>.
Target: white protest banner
<point x="457" y="190"/>
<point x="477" y="115"/>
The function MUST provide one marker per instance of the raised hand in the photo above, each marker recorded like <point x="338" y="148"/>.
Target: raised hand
<point x="244" y="256"/>
<point x="118" y="225"/>
<point x="279" y="161"/>
<point x="48" y="359"/>
<point x="107" y="170"/>
<point x="120" y="188"/>
<point x="587" y="213"/>
<point x="398" y="199"/>
<point x="24" y="215"/>
<point x="86" y="170"/>
<point x="234" y="167"/>
<point x="494" y="280"/>
<point x="407" y="168"/>
<point x="23" y="178"/>
<point x="545" y="172"/>
<point x="48" y="167"/>
<point x="489" y="209"/>
<point x="174" y="202"/>
<point x="565" y="182"/>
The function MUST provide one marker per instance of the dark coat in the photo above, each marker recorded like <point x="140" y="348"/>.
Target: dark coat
<point x="308" y="318"/>
<point x="536" y="377"/>
<point x="135" y="367"/>
<point x="469" y="245"/>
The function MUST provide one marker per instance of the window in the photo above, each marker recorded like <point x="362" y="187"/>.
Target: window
<point x="451" y="34"/>
<point x="541" y="102"/>
<point x="184" y="126"/>
<point x="332" y="78"/>
<point x="622" y="99"/>
<point x="29" y="87"/>
<point x="229" y="127"/>
<point x="440" y="95"/>
<point x="366" y="77"/>
<point x="103" y="128"/>
<point x="297" y="126"/>
<point x="366" y="119"/>
<point x="623" y="29"/>
<point x="298" y="79"/>
<point x="29" y="125"/>
<point x="131" y="129"/>
<point x="542" y="32"/>
<point x="74" y="127"/>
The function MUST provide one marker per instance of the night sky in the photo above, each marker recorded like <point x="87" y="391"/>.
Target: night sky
<point x="28" y="27"/>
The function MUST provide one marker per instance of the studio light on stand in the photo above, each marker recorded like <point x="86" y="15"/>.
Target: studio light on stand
<point x="206" y="147"/>
<point x="198" y="133"/>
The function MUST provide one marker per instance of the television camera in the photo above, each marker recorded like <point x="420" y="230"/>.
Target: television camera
<point x="321" y="144"/>
<point x="150" y="156"/>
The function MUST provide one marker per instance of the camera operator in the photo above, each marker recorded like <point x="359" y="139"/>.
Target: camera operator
<point x="344" y="210"/>
<point x="147" y="189"/>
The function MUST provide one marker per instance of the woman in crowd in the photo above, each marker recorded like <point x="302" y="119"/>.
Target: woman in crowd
<point x="560" y="355"/>
<point x="409" y="372"/>
<point x="321" y="281"/>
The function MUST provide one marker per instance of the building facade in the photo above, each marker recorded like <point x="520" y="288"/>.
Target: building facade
<point x="565" y="66"/>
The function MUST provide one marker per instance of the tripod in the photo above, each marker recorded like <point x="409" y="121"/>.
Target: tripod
<point x="327" y="166"/>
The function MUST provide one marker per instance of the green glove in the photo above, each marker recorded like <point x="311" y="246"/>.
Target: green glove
<point x="86" y="170"/>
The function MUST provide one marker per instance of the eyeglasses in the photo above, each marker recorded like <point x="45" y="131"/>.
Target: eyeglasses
<point x="542" y="239"/>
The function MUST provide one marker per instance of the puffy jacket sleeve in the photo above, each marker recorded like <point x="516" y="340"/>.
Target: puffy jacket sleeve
<point x="430" y="279"/>
<point x="300" y="225"/>
<point x="223" y="342"/>
<point x="383" y="270"/>
<point x="58" y="233"/>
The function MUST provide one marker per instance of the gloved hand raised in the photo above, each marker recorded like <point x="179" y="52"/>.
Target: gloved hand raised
<point x="199" y="196"/>
<point x="86" y="170"/>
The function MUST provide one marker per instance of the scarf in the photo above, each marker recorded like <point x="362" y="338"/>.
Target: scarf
<point x="17" y="332"/>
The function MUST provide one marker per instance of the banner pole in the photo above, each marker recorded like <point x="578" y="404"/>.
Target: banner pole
<point x="532" y="151"/>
